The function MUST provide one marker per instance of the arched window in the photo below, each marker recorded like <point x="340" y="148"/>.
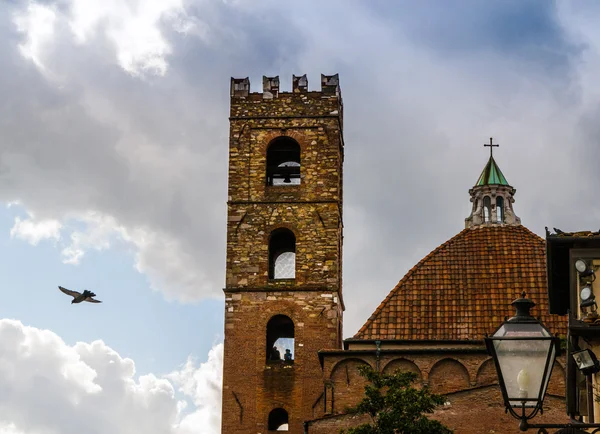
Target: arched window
<point x="487" y="209"/>
<point x="280" y="339"/>
<point x="283" y="162"/>
<point x="278" y="420"/>
<point x="500" y="209"/>
<point x="282" y="254"/>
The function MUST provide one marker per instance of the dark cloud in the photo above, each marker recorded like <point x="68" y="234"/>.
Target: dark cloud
<point x="528" y="29"/>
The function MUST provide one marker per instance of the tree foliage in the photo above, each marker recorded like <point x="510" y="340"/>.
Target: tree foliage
<point x="395" y="406"/>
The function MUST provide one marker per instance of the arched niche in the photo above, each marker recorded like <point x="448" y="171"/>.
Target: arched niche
<point x="448" y="375"/>
<point x="404" y="365"/>
<point x="486" y="374"/>
<point x="347" y="384"/>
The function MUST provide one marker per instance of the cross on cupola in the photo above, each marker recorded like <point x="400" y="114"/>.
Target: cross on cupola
<point x="492" y="196"/>
<point x="491" y="146"/>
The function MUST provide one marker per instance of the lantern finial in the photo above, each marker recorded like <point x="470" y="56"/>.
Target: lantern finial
<point x="522" y="306"/>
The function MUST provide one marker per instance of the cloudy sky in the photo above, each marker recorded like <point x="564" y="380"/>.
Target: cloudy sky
<point x="113" y="162"/>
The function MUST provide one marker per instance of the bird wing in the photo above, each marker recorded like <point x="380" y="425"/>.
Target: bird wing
<point x="91" y="300"/>
<point x="69" y="292"/>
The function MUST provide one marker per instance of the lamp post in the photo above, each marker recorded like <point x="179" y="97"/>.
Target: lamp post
<point x="524" y="351"/>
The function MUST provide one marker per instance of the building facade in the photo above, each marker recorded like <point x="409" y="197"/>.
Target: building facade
<point x="286" y="367"/>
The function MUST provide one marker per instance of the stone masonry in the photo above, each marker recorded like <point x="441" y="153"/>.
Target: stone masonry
<point x="312" y="210"/>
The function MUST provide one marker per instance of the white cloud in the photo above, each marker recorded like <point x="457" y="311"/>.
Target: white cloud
<point x="203" y="386"/>
<point x="34" y="231"/>
<point x="161" y="256"/>
<point x="99" y="230"/>
<point x="37" y="23"/>
<point x="49" y="387"/>
<point x="134" y="29"/>
<point x="9" y="428"/>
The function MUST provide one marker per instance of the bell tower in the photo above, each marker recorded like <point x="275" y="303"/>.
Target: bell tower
<point x="283" y="291"/>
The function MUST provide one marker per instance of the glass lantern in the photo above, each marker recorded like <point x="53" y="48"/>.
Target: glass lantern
<point x="523" y="351"/>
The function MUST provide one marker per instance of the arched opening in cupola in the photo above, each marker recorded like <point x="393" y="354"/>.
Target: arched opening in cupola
<point x="487" y="209"/>
<point x="500" y="209"/>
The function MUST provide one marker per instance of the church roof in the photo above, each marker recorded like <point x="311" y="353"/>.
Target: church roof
<point x="491" y="175"/>
<point x="463" y="289"/>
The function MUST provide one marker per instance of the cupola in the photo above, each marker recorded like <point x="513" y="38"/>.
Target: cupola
<point x="492" y="197"/>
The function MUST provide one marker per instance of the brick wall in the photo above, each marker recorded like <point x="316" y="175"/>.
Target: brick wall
<point x="333" y="424"/>
<point x="468" y="380"/>
<point x="481" y="411"/>
<point x="475" y="411"/>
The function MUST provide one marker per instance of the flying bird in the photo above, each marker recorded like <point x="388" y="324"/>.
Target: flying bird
<point x="78" y="297"/>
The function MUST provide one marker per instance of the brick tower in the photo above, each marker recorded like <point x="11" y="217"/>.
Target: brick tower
<point x="283" y="299"/>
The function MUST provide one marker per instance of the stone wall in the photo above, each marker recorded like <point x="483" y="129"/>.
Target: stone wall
<point x="317" y="228"/>
<point x="312" y="210"/>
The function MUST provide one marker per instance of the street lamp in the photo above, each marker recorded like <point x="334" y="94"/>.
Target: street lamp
<point x="523" y="351"/>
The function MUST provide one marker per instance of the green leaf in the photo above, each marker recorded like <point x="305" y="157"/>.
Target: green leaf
<point x="395" y="406"/>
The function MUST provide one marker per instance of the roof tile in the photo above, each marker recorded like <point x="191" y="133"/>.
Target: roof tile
<point x="463" y="289"/>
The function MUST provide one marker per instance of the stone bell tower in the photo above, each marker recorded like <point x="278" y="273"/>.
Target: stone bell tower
<point x="283" y="292"/>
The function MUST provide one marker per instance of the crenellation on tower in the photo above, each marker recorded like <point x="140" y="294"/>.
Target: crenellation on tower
<point x="330" y="84"/>
<point x="241" y="89"/>
<point x="299" y="84"/>
<point x="270" y="87"/>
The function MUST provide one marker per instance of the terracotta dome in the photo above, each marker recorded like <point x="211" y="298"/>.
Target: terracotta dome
<point x="463" y="289"/>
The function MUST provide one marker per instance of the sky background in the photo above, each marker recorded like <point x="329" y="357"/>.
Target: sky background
<point x="113" y="165"/>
